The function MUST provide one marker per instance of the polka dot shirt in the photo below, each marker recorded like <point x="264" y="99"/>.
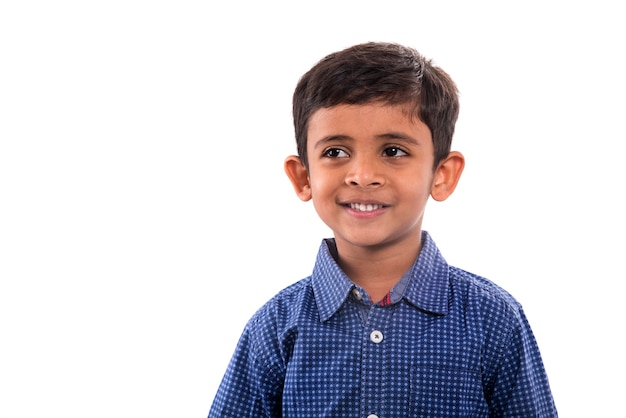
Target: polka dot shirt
<point x="443" y="343"/>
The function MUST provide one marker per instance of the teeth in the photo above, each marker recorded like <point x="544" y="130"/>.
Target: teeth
<point x="361" y="207"/>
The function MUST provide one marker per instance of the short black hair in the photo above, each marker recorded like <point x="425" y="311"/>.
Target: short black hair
<point x="379" y="72"/>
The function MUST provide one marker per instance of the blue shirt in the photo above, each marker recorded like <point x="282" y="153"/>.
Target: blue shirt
<point x="443" y="343"/>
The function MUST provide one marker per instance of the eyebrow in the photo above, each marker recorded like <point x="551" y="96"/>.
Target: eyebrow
<point x="395" y="136"/>
<point x="399" y="136"/>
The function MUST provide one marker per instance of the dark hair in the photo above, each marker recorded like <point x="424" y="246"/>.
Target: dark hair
<point x="379" y="72"/>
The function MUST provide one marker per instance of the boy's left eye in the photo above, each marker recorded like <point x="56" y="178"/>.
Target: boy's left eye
<point x="394" y="152"/>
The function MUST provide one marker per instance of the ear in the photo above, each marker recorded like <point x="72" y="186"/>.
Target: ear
<point x="299" y="177"/>
<point x="447" y="176"/>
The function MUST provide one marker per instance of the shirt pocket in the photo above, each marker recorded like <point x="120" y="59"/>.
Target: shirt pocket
<point x="446" y="392"/>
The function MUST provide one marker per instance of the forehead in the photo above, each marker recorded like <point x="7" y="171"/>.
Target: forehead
<point x="365" y="121"/>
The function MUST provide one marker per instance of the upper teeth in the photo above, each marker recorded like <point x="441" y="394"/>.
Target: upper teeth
<point x="363" y="207"/>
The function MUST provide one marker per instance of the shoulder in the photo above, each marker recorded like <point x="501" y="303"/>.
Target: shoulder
<point x="283" y="309"/>
<point x="483" y="296"/>
<point x="269" y="335"/>
<point x="512" y="368"/>
<point x="481" y="287"/>
<point x="492" y="316"/>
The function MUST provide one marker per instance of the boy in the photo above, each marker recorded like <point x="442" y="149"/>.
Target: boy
<point x="383" y="327"/>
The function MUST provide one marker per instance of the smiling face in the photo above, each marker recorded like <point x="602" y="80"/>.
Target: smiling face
<point x="370" y="174"/>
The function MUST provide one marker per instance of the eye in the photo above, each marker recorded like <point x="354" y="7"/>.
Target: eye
<point x="335" y="153"/>
<point x="394" y="152"/>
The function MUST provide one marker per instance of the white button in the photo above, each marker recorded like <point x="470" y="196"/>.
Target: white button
<point x="372" y="416"/>
<point x="376" y="336"/>
<point x="357" y="294"/>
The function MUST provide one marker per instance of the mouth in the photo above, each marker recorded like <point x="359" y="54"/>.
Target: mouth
<point x="365" y="207"/>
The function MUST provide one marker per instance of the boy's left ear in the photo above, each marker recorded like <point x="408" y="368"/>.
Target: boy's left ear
<point x="299" y="176"/>
<point x="447" y="176"/>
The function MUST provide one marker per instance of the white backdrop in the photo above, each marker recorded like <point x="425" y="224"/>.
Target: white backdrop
<point x="144" y="213"/>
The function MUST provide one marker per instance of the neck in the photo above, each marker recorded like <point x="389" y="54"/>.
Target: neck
<point x="377" y="270"/>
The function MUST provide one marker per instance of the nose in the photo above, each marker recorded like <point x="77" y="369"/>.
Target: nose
<point x="364" y="172"/>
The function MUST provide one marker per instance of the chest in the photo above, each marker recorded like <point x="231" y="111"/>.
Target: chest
<point x="396" y="359"/>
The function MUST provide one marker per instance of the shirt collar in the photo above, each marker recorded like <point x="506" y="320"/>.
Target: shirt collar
<point x="427" y="288"/>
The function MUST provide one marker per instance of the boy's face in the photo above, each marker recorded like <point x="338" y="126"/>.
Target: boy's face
<point x="370" y="173"/>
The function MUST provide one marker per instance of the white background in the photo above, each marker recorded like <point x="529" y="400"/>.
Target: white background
<point x="145" y="215"/>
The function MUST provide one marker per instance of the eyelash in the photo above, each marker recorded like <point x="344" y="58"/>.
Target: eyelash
<point x="398" y="149"/>
<point x="328" y="152"/>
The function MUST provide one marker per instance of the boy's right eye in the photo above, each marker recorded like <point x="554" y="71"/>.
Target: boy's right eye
<point x="335" y="153"/>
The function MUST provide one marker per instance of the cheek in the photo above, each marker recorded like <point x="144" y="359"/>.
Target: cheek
<point x="322" y="182"/>
<point x="417" y="183"/>
<point x="319" y="191"/>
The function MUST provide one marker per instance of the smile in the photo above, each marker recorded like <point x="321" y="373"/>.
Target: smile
<point x="362" y="207"/>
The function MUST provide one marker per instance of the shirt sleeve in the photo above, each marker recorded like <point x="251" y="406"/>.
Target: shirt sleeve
<point x="521" y="387"/>
<point x="251" y="386"/>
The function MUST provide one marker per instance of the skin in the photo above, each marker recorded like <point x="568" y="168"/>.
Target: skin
<point x="370" y="176"/>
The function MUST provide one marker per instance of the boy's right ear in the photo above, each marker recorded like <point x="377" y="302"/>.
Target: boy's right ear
<point x="299" y="177"/>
